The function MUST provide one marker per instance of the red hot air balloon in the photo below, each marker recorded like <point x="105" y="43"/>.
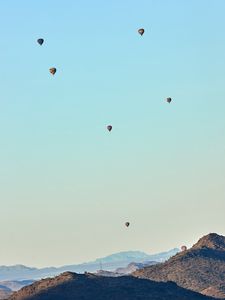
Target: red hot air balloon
<point x="141" y="31"/>
<point x="109" y="127"/>
<point x="183" y="248"/>
<point x="127" y="224"/>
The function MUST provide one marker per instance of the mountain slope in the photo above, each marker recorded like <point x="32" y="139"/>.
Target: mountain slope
<point x="8" y="287"/>
<point x="201" y="268"/>
<point x="4" y="294"/>
<point x="71" y="286"/>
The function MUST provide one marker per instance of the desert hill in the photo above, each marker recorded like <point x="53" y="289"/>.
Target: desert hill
<point x="4" y="292"/>
<point x="201" y="268"/>
<point x="72" y="286"/>
<point x="8" y="287"/>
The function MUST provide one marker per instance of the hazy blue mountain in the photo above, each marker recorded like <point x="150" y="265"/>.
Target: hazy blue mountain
<point x="108" y="263"/>
<point x="4" y="288"/>
<point x="15" y="285"/>
<point x="137" y="256"/>
<point x="163" y="256"/>
<point x="124" y="256"/>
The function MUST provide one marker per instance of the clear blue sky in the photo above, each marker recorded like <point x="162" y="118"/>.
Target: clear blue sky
<point x="66" y="184"/>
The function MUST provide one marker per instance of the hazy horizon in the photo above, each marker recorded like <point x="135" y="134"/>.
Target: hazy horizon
<point x="67" y="185"/>
<point x="90" y="261"/>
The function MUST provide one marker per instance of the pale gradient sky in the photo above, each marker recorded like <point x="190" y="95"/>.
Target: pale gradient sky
<point x="67" y="185"/>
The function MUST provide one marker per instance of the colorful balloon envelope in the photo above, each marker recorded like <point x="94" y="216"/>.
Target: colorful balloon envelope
<point x="141" y="31"/>
<point x="183" y="248"/>
<point x="52" y="71"/>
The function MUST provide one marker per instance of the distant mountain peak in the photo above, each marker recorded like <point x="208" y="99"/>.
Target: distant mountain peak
<point x="136" y="256"/>
<point x="17" y="267"/>
<point x="124" y="255"/>
<point x="211" y="241"/>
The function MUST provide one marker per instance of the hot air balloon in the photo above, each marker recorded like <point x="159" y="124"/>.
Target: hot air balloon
<point x="40" y="41"/>
<point x="127" y="224"/>
<point x="183" y="248"/>
<point x="109" y="127"/>
<point x="141" y="31"/>
<point x="52" y="71"/>
<point x="168" y="100"/>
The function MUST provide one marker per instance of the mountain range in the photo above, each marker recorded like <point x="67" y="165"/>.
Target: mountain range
<point x="108" y="263"/>
<point x="195" y="273"/>
<point x="200" y="268"/>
